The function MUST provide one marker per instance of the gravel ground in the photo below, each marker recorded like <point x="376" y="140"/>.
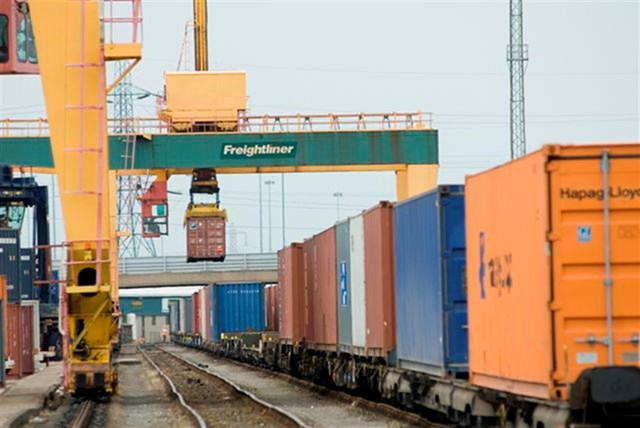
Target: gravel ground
<point x="315" y="410"/>
<point x="144" y="399"/>
<point x="218" y="403"/>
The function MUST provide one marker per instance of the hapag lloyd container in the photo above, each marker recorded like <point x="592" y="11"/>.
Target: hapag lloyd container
<point x="379" y="280"/>
<point x="291" y="294"/>
<point x="431" y="306"/>
<point x="320" y="260"/>
<point x="553" y="245"/>
<point x="343" y="271"/>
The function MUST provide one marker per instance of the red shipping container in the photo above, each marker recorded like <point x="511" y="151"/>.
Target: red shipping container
<point x="308" y="250"/>
<point x="321" y="274"/>
<point x="379" y="280"/>
<point x="195" y="312"/>
<point x="291" y="294"/>
<point x="271" y="307"/>
<point x="206" y="239"/>
<point x="19" y="339"/>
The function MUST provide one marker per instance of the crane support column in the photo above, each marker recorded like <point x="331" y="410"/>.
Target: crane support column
<point x="415" y="179"/>
<point x="71" y="56"/>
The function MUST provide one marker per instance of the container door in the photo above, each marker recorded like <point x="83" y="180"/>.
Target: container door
<point x="453" y="243"/>
<point x="343" y="279"/>
<point x="26" y="328"/>
<point x="596" y="281"/>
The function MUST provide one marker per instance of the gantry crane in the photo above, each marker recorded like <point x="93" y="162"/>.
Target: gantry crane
<point x="72" y="55"/>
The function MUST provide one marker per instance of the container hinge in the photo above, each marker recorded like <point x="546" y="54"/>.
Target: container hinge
<point x="592" y="340"/>
<point x="553" y="236"/>
<point x="555" y="306"/>
<point x="634" y="339"/>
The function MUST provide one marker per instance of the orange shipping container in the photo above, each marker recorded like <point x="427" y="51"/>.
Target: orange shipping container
<point x="546" y="234"/>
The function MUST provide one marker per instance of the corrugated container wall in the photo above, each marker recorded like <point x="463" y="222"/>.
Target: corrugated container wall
<point x="308" y="251"/>
<point x="188" y="315"/>
<point x="27" y="274"/>
<point x="543" y="232"/>
<point x="356" y="281"/>
<point x="431" y="307"/>
<point x="3" y="326"/>
<point x="20" y="339"/>
<point x="35" y="344"/>
<point x="271" y="307"/>
<point x="204" y="313"/>
<point x="379" y="280"/>
<point x="174" y="316"/>
<point x="196" y="312"/>
<point x="238" y="308"/>
<point x="10" y="262"/>
<point x="205" y="239"/>
<point x="343" y="280"/>
<point x="292" y="306"/>
<point x="321" y="272"/>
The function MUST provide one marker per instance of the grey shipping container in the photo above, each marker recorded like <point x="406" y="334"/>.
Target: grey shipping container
<point x="27" y="274"/>
<point x="150" y="327"/>
<point x="343" y="270"/>
<point x="10" y="262"/>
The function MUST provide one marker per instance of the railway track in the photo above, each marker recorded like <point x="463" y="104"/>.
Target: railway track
<point x="83" y="416"/>
<point x="212" y="400"/>
<point x="400" y="417"/>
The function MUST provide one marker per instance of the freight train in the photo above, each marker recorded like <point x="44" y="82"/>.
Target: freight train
<point x="511" y="301"/>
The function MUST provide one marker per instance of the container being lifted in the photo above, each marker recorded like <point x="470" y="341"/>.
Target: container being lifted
<point x="205" y="222"/>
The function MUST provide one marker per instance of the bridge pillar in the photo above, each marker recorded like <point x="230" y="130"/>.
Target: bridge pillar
<point x="415" y="179"/>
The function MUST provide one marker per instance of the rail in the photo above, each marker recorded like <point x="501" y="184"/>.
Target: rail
<point x="304" y="123"/>
<point x="178" y="264"/>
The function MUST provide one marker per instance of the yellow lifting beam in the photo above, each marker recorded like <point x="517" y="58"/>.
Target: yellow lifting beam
<point x="200" y="35"/>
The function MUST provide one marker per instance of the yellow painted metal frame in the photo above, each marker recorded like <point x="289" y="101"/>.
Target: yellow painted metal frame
<point x="72" y="58"/>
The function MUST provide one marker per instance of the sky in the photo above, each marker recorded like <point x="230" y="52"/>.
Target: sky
<point x="448" y="57"/>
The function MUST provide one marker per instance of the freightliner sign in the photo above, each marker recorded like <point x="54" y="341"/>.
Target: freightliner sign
<point x="259" y="150"/>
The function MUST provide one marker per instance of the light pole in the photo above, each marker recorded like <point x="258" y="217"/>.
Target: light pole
<point x="338" y="195"/>
<point x="283" y="237"/>
<point x="269" y="183"/>
<point x="260" y="212"/>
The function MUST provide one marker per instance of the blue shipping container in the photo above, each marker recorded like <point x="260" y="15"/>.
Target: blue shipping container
<point x="236" y="308"/>
<point x="431" y="300"/>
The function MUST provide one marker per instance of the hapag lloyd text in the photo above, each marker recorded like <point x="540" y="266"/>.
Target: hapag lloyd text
<point x="598" y="194"/>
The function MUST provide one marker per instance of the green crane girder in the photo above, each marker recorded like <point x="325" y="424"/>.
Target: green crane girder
<point x="229" y="150"/>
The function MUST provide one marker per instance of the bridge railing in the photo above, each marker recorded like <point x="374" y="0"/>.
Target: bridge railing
<point x="247" y="124"/>
<point x="178" y="264"/>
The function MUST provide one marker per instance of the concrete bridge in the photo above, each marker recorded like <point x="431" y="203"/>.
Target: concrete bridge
<point x="174" y="271"/>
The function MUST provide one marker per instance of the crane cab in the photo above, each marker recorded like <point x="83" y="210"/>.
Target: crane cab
<point x="17" y="45"/>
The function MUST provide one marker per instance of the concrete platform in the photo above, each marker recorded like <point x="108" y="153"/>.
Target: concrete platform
<point x="29" y="393"/>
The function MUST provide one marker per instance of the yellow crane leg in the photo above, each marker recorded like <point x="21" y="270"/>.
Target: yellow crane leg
<point x="415" y="179"/>
<point x="71" y="59"/>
